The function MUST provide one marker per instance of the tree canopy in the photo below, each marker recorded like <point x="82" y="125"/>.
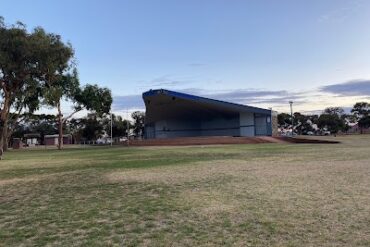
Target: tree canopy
<point x="361" y="111"/>
<point x="28" y="62"/>
<point x="38" y="67"/>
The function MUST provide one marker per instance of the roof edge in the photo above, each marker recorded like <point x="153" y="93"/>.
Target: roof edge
<point x="154" y="92"/>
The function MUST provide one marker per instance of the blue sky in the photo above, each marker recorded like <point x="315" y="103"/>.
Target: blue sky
<point x="262" y="53"/>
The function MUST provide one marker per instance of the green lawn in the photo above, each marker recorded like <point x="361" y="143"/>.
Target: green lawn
<point x="236" y="195"/>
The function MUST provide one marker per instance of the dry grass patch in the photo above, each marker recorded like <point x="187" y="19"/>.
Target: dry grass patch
<point x="242" y="195"/>
<point x="322" y="203"/>
<point x="179" y="174"/>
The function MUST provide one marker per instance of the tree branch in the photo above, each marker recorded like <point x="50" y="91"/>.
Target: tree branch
<point x="69" y="116"/>
<point x="15" y="120"/>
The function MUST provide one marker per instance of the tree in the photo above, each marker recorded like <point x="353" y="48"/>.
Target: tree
<point x="67" y="86"/>
<point x="332" y="122"/>
<point x="361" y="111"/>
<point x="29" y="99"/>
<point x="139" y="122"/>
<point x="93" y="127"/>
<point x="332" y="119"/>
<point x="304" y="123"/>
<point x="120" y="126"/>
<point x="44" y="124"/>
<point x="75" y="127"/>
<point x="364" y="122"/>
<point x="27" y="62"/>
<point x="334" y="111"/>
<point x="62" y="84"/>
<point x="284" y="119"/>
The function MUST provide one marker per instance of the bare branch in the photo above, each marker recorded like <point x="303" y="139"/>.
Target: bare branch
<point x="70" y="115"/>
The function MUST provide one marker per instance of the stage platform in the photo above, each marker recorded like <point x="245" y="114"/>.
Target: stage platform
<point x="217" y="140"/>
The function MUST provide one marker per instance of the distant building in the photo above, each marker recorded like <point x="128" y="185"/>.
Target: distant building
<point x="52" y="140"/>
<point x="173" y="114"/>
<point x="32" y="139"/>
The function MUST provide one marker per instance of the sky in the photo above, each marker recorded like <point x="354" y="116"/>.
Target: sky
<point x="256" y="52"/>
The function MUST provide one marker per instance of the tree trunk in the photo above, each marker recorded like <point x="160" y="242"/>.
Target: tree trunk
<point x="60" y="128"/>
<point x="4" y="122"/>
<point x="6" y="139"/>
<point x="10" y="130"/>
<point x="9" y="134"/>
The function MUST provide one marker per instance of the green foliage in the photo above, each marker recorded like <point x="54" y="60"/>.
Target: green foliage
<point x="120" y="126"/>
<point x="332" y="122"/>
<point x="92" y="128"/>
<point x="303" y="123"/>
<point x="364" y="122"/>
<point x="332" y="119"/>
<point x="65" y="86"/>
<point x="30" y="62"/>
<point x="139" y="121"/>
<point x="361" y="109"/>
<point x="93" y="98"/>
<point x="334" y="111"/>
<point x="43" y="124"/>
<point x="284" y="119"/>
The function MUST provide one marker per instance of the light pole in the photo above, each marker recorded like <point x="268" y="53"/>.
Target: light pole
<point x="291" y="114"/>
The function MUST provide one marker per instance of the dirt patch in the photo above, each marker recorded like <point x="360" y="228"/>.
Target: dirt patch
<point x="212" y="140"/>
<point x="305" y="140"/>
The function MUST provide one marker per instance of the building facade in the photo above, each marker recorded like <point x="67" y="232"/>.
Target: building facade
<point x="52" y="140"/>
<point x="172" y="114"/>
<point x="32" y="139"/>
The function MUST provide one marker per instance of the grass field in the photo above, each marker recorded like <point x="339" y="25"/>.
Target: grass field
<point x="237" y="195"/>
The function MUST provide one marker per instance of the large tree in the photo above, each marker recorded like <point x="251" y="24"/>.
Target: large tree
<point x="332" y="122"/>
<point x="90" y="97"/>
<point x="361" y="109"/>
<point x="28" y="62"/>
<point x="361" y="112"/>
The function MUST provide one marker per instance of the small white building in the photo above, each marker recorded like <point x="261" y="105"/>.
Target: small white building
<point x="32" y="139"/>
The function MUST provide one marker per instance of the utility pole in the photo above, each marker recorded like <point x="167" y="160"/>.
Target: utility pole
<point x="291" y="114"/>
<point x="111" y="129"/>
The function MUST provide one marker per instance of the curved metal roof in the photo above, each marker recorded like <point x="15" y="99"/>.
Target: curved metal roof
<point x="194" y="98"/>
